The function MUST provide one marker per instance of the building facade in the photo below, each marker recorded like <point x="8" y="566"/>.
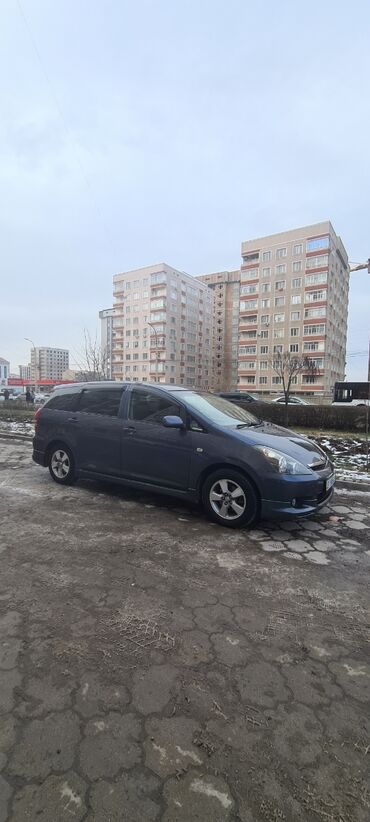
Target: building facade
<point x="4" y="371"/>
<point x="225" y="288"/>
<point x="293" y="297"/>
<point x="48" y="363"/>
<point x="25" y="371"/>
<point x="162" y="327"/>
<point x="106" y="339"/>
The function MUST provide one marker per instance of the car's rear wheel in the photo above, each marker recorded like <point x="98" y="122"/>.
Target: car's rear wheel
<point x="61" y="464"/>
<point x="230" y="499"/>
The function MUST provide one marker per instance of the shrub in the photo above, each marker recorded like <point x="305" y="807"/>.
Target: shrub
<point x="326" y="417"/>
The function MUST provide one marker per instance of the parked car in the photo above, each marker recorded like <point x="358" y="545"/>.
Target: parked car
<point x="189" y="444"/>
<point x="292" y="401"/>
<point x="235" y="396"/>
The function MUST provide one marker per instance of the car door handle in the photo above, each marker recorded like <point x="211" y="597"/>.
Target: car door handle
<point x="130" y="430"/>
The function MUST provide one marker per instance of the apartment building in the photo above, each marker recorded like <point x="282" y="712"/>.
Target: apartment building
<point x="4" y="371"/>
<point x="48" y="363"/>
<point x="294" y="297"/>
<point x="25" y="371"/>
<point x="225" y="287"/>
<point x="162" y="327"/>
<point x="106" y="339"/>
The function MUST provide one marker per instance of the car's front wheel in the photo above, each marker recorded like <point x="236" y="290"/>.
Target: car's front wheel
<point x="230" y="499"/>
<point x="61" y="464"/>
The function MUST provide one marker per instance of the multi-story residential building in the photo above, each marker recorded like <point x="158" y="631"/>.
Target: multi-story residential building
<point x="25" y="371"/>
<point x="294" y="297"/>
<point x="162" y="327"/>
<point x="106" y="339"/>
<point x="4" y="371"/>
<point x="48" y="363"/>
<point x="225" y="286"/>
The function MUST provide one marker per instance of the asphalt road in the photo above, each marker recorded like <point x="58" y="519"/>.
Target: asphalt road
<point x="154" y="666"/>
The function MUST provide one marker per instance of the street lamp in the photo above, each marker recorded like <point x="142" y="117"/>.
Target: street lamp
<point x="36" y="366"/>
<point x="157" y="350"/>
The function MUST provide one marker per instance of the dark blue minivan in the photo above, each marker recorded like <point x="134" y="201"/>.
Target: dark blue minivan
<point x="182" y="442"/>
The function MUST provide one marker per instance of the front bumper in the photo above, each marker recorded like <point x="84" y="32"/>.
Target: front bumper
<point x="297" y="498"/>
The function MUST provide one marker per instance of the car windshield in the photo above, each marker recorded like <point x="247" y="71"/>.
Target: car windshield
<point x="218" y="410"/>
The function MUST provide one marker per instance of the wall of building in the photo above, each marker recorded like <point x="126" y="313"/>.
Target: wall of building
<point x="162" y="327"/>
<point x="294" y="297"/>
<point x="225" y="287"/>
<point x="48" y="363"/>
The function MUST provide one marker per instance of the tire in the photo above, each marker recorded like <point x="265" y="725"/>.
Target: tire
<point x="230" y="482"/>
<point x="61" y="464"/>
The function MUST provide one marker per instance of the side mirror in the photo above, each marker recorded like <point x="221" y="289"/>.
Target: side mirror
<point x="173" y="422"/>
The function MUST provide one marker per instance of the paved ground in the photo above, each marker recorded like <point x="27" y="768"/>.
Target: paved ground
<point x="154" y="666"/>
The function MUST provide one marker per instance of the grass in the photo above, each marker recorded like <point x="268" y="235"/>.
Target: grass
<point x="9" y="413"/>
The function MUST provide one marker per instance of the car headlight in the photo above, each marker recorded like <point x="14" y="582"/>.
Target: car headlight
<point x="281" y="462"/>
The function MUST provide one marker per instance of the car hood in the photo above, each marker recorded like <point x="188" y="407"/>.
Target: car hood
<point x="289" y="442"/>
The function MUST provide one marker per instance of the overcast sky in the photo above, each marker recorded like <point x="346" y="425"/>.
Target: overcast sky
<point x="141" y="131"/>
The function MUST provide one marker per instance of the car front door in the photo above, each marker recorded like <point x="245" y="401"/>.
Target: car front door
<point x="99" y="430"/>
<point x="151" y="452"/>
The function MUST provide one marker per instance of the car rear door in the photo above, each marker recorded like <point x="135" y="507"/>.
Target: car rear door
<point x="99" y="430"/>
<point x="151" y="452"/>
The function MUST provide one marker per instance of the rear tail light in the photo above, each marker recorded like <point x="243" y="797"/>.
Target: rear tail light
<point x="37" y="418"/>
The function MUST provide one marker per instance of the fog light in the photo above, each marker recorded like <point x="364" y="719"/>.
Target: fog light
<point x="294" y="502"/>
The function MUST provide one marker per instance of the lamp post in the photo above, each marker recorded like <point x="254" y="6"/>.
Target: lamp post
<point x="36" y="366"/>
<point x="157" y="350"/>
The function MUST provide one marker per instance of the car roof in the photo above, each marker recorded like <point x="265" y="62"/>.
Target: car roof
<point x="121" y="383"/>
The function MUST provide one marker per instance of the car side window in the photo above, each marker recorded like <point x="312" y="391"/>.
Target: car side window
<point x="66" y="401"/>
<point x="104" y="401"/>
<point x="146" y="406"/>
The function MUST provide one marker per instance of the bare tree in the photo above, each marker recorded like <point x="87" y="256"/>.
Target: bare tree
<point x="287" y="366"/>
<point x="93" y="364"/>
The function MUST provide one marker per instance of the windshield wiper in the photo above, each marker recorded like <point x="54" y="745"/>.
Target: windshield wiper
<point x="248" y="424"/>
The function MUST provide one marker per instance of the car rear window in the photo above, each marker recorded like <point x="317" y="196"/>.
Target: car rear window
<point x="65" y="401"/>
<point x="105" y="401"/>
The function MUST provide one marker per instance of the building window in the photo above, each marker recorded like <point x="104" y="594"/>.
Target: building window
<point x="297" y="266"/>
<point x="265" y="303"/>
<point x="264" y="349"/>
<point x="313" y="330"/>
<point x="311" y="313"/>
<point x="266" y="272"/>
<point x="280" y="252"/>
<point x="276" y="380"/>
<point x="266" y="256"/>
<point x="249" y="289"/>
<point x="309" y="379"/>
<point x="316" y="243"/>
<point x="296" y="282"/>
<point x="251" y="258"/>
<point x="295" y="315"/>
<point x="278" y="333"/>
<point x="295" y="299"/>
<point x="298" y="249"/>
<point x="294" y="332"/>
<point x="247" y="349"/>
<point x="279" y="285"/>
<point x="264" y="335"/>
<point x="279" y="301"/>
<point x="294" y="348"/>
<point x="279" y="318"/>
<point x="315" y="296"/>
<point x="263" y="366"/>
<point x="265" y="319"/>
<point x="280" y="269"/>
<point x="246" y="305"/>
<point x="318" y="262"/>
<point x="316" y="279"/>
<point x="262" y="380"/>
<point x="265" y="288"/>
<point x="250" y="274"/>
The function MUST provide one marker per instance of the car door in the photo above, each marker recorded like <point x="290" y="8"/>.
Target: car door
<point x="151" y="452"/>
<point x="99" y="430"/>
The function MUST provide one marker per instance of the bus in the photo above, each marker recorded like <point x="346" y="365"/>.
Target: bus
<point x="351" y="393"/>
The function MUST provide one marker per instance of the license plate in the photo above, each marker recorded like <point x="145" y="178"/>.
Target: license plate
<point x="330" y="482"/>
